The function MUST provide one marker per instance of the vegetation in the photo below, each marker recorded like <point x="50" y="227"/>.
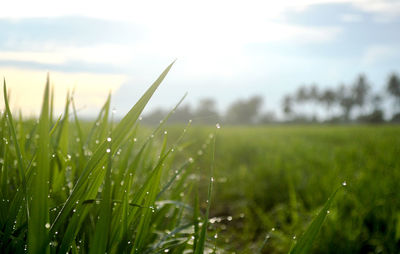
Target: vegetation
<point x="308" y="104"/>
<point x="271" y="181"/>
<point x="100" y="187"/>
<point x="72" y="186"/>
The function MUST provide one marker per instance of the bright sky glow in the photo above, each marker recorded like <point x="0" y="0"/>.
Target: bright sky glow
<point x="233" y="47"/>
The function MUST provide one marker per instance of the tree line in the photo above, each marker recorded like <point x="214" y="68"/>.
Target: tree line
<point x="345" y="103"/>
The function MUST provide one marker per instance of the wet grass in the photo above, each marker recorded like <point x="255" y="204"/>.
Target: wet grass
<point x="72" y="186"/>
<point x="272" y="181"/>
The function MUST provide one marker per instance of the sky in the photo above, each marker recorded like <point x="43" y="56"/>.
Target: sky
<point x="226" y="50"/>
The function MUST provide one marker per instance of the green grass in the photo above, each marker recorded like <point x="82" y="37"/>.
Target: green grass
<point x="73" y="186"/>
<point x="271" y="182"/>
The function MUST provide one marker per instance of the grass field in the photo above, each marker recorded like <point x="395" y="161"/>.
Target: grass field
<point x="104" y="186"/>
<point x="273" y="180"/>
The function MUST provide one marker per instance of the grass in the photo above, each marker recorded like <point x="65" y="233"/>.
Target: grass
<point x="271" y="182"/>
<point x="72" y="186"/>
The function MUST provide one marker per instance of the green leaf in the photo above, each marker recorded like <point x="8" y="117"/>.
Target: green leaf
<point x="38" y="223"/>
<point x="99" y="244"/>
<point x="303" y="245"/>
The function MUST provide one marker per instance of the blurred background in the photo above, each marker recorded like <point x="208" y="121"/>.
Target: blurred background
<point x="306" y="60"/>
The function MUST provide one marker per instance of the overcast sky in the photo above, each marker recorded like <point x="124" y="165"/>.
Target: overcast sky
<point x="224" y="49"/>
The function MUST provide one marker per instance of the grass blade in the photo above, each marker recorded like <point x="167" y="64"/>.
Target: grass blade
<point x="203" y="233"/>
<point x="38" y="224"/>
<point x="303" y="245"/>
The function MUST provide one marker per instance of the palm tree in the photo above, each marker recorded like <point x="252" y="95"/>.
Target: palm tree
<point x="287" y="105"/>
<point x="393" y="87"/>
<point x="328" y="97"/>
<point x="360" y="91"/>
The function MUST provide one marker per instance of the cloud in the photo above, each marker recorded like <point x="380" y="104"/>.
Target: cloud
<point x="377" y="54"/>
<point x="383" y="9"/>
<point x="351" y="18"/>
<point x="67" y="31"/>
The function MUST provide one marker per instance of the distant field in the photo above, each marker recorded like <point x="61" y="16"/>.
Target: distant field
<point x="273" y="180"/>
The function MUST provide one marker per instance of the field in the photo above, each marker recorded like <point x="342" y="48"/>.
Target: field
<point x="75" y="186"/>
<point x="273" y="180"/>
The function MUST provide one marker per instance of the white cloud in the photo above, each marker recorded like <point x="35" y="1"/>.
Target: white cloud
<point x="351" y="18"/>
<point x="379" y="53"/>
<point x="101" y="53"/>
<point x="383" y="9"/>
<point x="210" y="37"/>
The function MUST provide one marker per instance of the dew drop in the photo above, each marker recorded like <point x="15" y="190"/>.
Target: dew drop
<point x="218" y="126"/>
<point x="108" y="150"/>
<point x="47" y="225"/>
<point x="344" y="183"/>
<point x="108" y="139"/>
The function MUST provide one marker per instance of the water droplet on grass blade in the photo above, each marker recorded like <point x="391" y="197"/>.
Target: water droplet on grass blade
<point x="218" y="126"/>
<point x="344" y="183"/>
<point x="47" y="225"/>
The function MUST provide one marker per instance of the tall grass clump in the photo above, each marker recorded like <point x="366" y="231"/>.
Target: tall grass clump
<point x="72" y="186"/>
